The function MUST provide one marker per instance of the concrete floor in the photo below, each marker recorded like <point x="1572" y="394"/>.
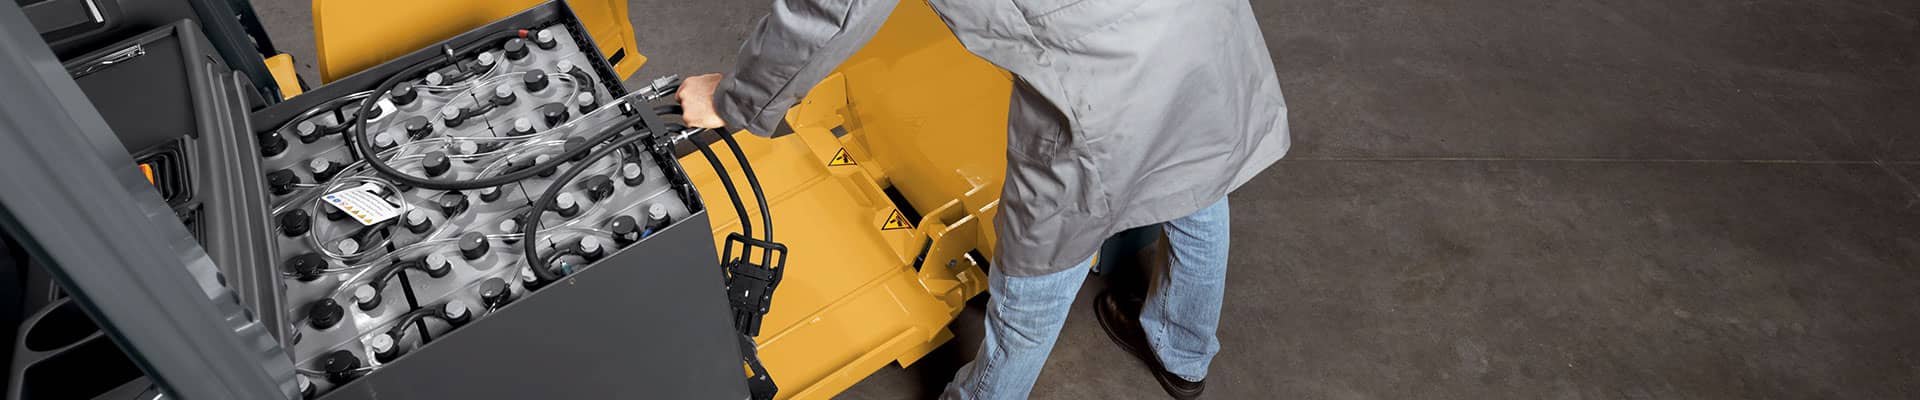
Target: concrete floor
<point x="1556" y="199"/>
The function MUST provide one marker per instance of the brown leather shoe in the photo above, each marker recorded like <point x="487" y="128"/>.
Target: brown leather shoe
<point x="1122" y="324"/>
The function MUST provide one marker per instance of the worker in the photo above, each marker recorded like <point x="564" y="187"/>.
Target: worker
<point x="1123" y="113"/>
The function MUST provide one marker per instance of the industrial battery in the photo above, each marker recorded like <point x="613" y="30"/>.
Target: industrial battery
<point x="490" y="217"/>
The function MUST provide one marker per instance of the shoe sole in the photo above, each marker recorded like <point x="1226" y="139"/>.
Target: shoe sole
<point x="1113" y="335"/>
<point x="1148" y="358"/>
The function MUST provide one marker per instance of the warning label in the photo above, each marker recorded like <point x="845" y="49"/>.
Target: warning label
<point x="364" y="203"/>
<point x="896" y="221"/>
<point x="841" y="158"/>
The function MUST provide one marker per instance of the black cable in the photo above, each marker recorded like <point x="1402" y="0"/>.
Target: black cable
<point x="323" y="130"/>
<point x="387" y="273"/>
<point x="379" y="281"/>
<point x="726" y="181"/>
<point x="400" y="330"/>
<point x="585" y="78"/>
<point x="753" y="181"/>
<point x="547" y="262"/>
<point x="364" y="146"/>
<point x="530" y="229"/>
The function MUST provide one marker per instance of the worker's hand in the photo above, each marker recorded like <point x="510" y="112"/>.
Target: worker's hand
<point x="696" y="101"/>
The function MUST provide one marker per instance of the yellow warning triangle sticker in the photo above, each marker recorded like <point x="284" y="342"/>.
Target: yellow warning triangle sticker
<point x="841" y="158"/>
<point x="896" y="221"/>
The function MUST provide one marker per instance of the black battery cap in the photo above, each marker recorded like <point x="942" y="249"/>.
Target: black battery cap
<point x="282" y="181"/>
<point x="516" y="49"/>
<point x="417" y="126"/>
<point x="295" y="223"/>
<point x="324" y="314"/>
<point x="535" y="80"/>
<point x="626" y="229"/>
<point x="554" y="114"/>
<point x="402" y="94"/>
<point x="436" y="163"/>
<point x="453" y="203"/>
<point x="494" y="292"/>
<point x="473" y="245"/>
<point x="272" y="144"/>
<point x="341" y="366"/>
<point x="307" y="267"/>
<point x="598" y="187"/>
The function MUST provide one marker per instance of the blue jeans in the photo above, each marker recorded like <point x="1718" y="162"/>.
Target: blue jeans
<point x="1024" y="314"/>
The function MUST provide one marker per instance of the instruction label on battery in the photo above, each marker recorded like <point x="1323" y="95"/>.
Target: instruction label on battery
<point x="364" y="204"/>
<point x="840" y="158"/>
<point x="895" y="221"/>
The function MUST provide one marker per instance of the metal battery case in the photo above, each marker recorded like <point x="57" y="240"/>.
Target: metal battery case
<point x="644" y="316"/>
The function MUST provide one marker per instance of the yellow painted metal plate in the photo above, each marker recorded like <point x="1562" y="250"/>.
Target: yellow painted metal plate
<point x="852" y="300"/>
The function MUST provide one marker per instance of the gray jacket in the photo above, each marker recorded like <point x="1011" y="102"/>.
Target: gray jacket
<point x="1125" y="113"/>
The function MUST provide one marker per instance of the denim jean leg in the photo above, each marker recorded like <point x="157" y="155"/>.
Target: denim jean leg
<point x="1024" y="315"/>
<point x="1182" y="312"/>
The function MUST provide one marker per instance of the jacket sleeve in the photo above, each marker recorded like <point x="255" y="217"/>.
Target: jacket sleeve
<point x="789" y="51"/>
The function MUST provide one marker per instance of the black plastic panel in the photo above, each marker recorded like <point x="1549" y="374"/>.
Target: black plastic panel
<point x="178" y="108"/>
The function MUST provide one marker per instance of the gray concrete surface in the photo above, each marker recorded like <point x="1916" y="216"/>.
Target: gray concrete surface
<point x="1563" y="199"/>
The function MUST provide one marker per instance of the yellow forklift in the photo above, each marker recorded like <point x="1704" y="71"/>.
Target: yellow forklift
<point x="894" y="178"/>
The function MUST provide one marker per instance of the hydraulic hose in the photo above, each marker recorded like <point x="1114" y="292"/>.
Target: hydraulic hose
<point x="753" y="181"/>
